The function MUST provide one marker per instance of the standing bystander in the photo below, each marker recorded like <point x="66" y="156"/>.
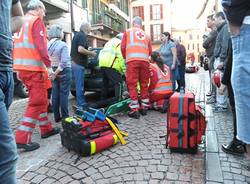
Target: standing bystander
<point x="79" y="55"/>
<point x="8" y="153"/>
<point x="238" y="15"/>
<point x="208" y="45"/>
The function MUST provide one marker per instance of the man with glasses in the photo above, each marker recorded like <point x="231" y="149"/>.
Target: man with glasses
<point x="33" y="65"/>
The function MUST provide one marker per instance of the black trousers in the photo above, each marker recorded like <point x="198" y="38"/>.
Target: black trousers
<point x="111" y="78"/>
<point x="181" y="81"/>
<point x="232" y="104"/>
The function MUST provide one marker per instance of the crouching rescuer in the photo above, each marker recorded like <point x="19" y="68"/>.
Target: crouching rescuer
<point x="136" y="48"/>
<point x="113" y="68"/>
<point x="32" y="62"/>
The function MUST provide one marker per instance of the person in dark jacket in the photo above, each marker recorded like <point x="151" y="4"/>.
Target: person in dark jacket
<point x="209" y="44"/>
<point x="235" y="147"/>
<point x="238" y="15"/>
<point x="181" y="57"/>
<point x="220" y="54"/>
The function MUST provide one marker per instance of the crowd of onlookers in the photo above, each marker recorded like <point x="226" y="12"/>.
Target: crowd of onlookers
<point x="228" y="56"/>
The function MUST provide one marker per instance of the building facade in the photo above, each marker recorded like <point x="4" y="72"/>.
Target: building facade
<point x="107" y="17"/>
<point x="191" y="39"/>
<point x="156" y="17"/>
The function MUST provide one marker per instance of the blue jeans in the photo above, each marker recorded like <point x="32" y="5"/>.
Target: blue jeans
<point x="241" y="81"/>
<point x="78" y="72"/>
<point x="60" y="93"/>
<point x="8" y="152"/>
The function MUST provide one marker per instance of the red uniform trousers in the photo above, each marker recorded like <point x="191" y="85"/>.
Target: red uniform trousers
<point x="138" y="71"/>
<point x="36" y="111"/>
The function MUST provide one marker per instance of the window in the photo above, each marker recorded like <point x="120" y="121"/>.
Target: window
<point x="190" y="37"/>
<point x="156" y="12"/>
<point x="188" y="47"/>
<point x="138" y="11"/>
<point x="198" y="47"/>
<point x="156" y="31"/>
<point x="193" y="46"/>
<point x="198" y="37"/>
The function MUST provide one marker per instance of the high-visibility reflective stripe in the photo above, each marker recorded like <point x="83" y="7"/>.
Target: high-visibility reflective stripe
<point x="134" y="104"/>
<point x="137" y="44"/>
<point x="42" y="123"/>
<point x="164" y="81"/>
<point x="25" y="128"/>
<point x="43" y="115"/>
<point x="137" y="55"/>
<point x="163" y="88"/>
<point x="24" y="45"/>
<point x="28" y="120"/>
<point x="110" y="51"/>
<point x="92" y="147"/>
<point x="29" y="62"/>
<point x="115" y="139"/>
<point x="145" y="100"/>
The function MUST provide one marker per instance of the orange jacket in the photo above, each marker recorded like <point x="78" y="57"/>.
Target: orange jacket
<point x="161" y="86"/>
<point x="136" y="46"/>
<point x="25" y="55"/>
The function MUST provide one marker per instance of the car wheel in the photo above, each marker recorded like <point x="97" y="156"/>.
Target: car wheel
<point x="21" y="90"/>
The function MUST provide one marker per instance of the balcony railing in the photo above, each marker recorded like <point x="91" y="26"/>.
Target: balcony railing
<point x="109" y="19"/>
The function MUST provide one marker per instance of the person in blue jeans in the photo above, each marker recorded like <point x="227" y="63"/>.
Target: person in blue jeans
<point x="238" y="15"/>
<point x="79" y="54"/>
<point x="61" y="65"/>
<point x="8" y="153"/>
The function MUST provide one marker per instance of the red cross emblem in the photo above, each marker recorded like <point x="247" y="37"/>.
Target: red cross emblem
<point x="140" y="35"/>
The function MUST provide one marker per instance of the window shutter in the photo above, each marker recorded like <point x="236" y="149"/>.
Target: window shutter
<point x="151" y="12"/>
<point x="142" y="12"/>
<point x="152" y="32"/>
<point x="161" y="12"/>
<point x="161" y="28"/>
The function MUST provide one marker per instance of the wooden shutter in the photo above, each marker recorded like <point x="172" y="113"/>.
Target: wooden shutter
<point x="161" y="28"/>
<point x="152" y="32"/>
<point x="161" y="11"/>
<point x="151" y="12"/>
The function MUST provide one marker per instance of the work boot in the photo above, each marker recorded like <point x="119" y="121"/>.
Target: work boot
<point x="28" y="147"/>
<point x="143" y="111"/>
<point x="54" y="131"/>
<point x="235" y="147"/>
<point x="133" y="113"/>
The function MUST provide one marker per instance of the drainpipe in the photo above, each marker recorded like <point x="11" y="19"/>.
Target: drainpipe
<point x="72" y="16"/>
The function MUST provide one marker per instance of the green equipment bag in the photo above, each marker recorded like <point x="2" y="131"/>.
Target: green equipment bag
<point x="118" y="107"/>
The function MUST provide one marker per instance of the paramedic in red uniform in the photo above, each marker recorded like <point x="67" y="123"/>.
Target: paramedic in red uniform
<point x="136" y="48"/>
<point x="160" y="86"/>
<point x="32" y="63"/>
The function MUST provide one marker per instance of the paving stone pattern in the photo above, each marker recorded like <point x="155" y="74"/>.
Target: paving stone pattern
<point x="143" y="160"/>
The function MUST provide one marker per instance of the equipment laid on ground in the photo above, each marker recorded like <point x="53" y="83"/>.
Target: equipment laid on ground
<point x="185" y="123"/>
<point x="90" y="132"/>
<point x="118" y="107"/>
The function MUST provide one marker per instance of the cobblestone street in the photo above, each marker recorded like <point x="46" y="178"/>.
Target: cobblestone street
<point x="144" y="159"/>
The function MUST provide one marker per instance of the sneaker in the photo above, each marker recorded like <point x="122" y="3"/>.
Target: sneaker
<point x="210" y="100"/>
<point x="134" y="114"/>
<point x="28" y="147"/>
<point x="235" y="148"/>
<point x="220" y="109"/>
<point x="54" y="131"/>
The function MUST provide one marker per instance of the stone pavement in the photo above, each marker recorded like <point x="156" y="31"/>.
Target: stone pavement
<point x="143" y="160"/>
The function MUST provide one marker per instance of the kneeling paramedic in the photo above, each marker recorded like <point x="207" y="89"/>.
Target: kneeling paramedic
<point x="113" y="68"/>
